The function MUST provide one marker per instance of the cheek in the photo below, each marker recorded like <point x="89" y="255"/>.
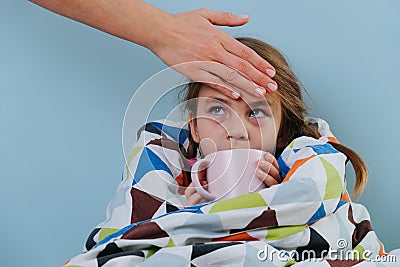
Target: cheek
<point x="211" y="135"/>
<point x="266" y="136"/>
<point x="208" y="127"/>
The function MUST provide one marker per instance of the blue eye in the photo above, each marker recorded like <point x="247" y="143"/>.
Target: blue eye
<point x="257" y="113"/>
<point x="217" y="111"/>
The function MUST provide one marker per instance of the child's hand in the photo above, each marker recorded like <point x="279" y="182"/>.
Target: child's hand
<point x="192" y="197"/>
<point x="268" y="170"/>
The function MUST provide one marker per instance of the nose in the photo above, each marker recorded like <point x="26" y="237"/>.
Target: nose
<point x="236" y="130"/>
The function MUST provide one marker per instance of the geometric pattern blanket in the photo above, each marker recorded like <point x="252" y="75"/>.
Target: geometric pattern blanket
<point x="306" y="220"/>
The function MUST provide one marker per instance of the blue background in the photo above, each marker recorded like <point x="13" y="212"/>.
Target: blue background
<point x="64" y="89"/>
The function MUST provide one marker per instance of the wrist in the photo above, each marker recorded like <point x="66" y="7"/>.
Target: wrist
<point x="141" y="23"/>
<point x="159" y="32"/>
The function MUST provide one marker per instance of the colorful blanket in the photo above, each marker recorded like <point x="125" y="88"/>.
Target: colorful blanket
<point x="308" y="219"/>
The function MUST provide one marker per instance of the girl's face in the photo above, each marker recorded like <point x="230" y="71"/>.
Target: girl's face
<point x="223" y="123"/>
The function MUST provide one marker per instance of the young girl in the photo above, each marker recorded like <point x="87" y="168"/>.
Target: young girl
<point x="305" y="209"/>
<point x="277" y="121"/>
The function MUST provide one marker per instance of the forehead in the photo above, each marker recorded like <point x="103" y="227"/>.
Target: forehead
<point x="271" y="99"/>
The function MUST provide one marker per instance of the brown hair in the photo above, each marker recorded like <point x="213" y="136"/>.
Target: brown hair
<point x="293" y="122"/>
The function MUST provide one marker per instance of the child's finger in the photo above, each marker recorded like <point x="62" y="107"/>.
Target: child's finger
<point x="190" y="190"/>
<point x="204" y="184"/>
<point x="275" y="163"/>
<point x="271" y="158"/>
<point x="265" y="177"/>
<point x="202" y="174"/>
<point x="195" y="199"/>
<point x="268" y="168"/>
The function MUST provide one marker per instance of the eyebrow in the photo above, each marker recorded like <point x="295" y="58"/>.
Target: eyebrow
<point x="261" y="103"/>
<point x="251" y="104"/>
<point x="216" y="99"/>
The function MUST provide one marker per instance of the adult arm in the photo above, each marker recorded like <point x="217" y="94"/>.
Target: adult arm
<point x="178" y="38"/>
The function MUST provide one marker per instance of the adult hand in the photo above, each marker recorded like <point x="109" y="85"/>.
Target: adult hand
<point x="184" y="37"/>
<point x="220" y="59"/>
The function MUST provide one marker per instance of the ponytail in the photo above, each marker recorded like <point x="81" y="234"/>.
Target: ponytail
<point x="359" y="166"/>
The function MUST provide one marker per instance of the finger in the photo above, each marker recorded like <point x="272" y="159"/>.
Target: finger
<point x="195" y="199"/>
<point x="249" y="63"/>
<point x="267" y="179"/>
<point x="239" y="49"/>
<point x="246" y="68"/>
<point x="275" y="163"/>
<point x="233" y="77"/>
<point x="190" y="190"/>
<point x="204" y="184"/>
<point x="202" y="173"/>
<point x="215" y="82"/>
<point x="223" y="18"/>
<point x="271" y="158"/>
<point x="268" y="168"/>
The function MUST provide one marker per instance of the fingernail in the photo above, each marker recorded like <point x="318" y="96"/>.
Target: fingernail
<point x="243" y="17"/>
<point x="272" y="86"/>
<point x="260" y="91"/>
<point x="270" y="72"/>
<point x="235" y="94"/>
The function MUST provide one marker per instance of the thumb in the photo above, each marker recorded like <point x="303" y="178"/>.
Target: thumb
<point x="223" y="18"/>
